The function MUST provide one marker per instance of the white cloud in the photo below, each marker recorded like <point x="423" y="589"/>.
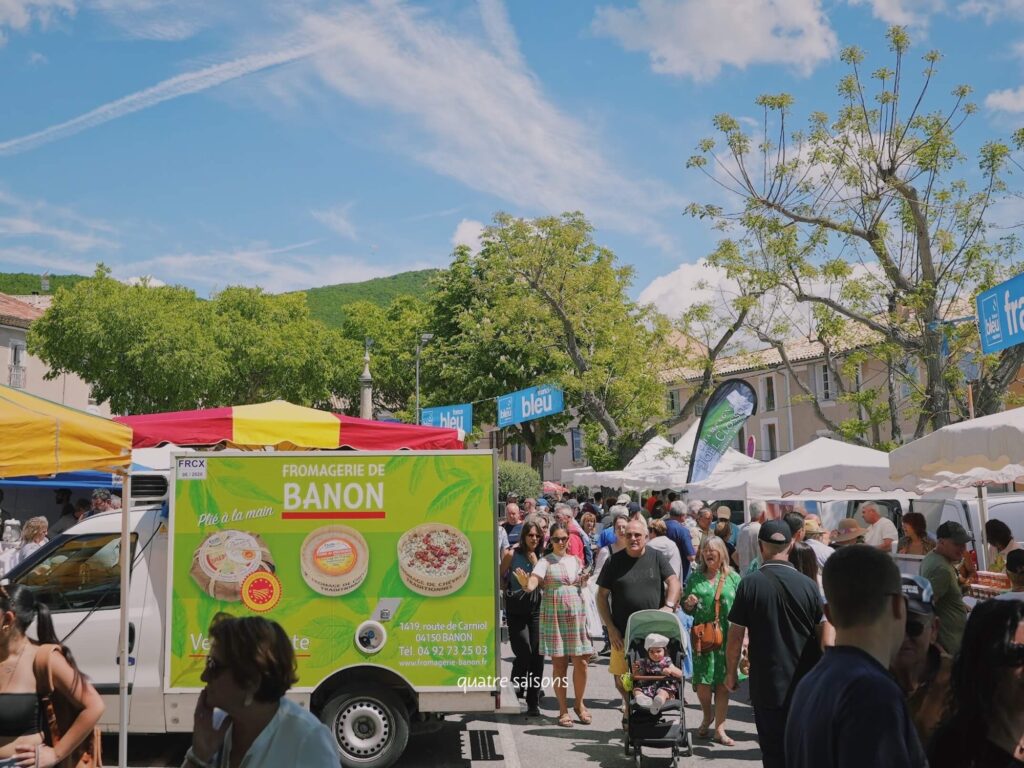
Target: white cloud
<point x="76" y="241"/>
<point x="171" y="88"/>
<point x="468" y="232"/>
<point x="37" y="226"/>
<point x="687" y="285"/>
<point x="146" y="280"/>
<point x="261" y="265"/>
<point x="697" y="38"/>
<point x="478" y="116"/>
<point x="992" y="10"/>
<point x="337" y="220"/>
<point x="167" y="20"/>
<point x="910" y="13"/>
<point x="1009" y="100"/>
<point x="37" y="59"/>
<point x="19" y="14"/>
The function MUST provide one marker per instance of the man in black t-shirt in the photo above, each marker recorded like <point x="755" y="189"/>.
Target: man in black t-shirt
<point x="848" y="710"/>
<point x="633" y="579"/>
<point x="782" y="610"/>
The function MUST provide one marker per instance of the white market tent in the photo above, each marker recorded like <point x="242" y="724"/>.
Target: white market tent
<point x="844" y="467"/>
<point x="569" y="476"/>
<point x="983" y="451"/>
<point x="660" y="464"/>
<point x="822" y="456"/>
<point x="975" y="453"/>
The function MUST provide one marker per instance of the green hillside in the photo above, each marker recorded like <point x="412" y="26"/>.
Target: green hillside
<point x="327" y="303"/>
<point x="22" y="283"/>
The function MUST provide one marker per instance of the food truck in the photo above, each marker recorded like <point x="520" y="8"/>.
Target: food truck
<point x="381" y="567"/>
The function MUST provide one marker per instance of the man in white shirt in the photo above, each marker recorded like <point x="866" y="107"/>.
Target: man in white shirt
<point x="747" y="548"/>
<point x="881" y="531"/>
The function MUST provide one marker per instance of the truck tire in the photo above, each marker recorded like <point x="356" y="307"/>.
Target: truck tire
<point x="369" y="725"/>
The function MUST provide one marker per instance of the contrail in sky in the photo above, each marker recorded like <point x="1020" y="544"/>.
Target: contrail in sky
<point x="172" y="88"/>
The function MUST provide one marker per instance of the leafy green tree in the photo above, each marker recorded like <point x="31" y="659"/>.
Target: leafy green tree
<point x="864" y="219"/>
<point x="394" y="331"/>
<point x="543" y="303"/>
<point x="513" y="476"/>
<point x="147" y="349"/>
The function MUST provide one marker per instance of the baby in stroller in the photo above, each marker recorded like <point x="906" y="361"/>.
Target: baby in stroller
<point x="653" y="694"/>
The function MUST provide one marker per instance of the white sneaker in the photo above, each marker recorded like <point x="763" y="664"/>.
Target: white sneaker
<point x="642" y="700"/>
<point x="655" y="707"/>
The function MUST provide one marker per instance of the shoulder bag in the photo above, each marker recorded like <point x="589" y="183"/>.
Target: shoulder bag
<point x="59" y="714"/>
<point x="708" y="636"/>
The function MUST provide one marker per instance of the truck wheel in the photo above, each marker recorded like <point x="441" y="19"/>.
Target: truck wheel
<point x="370" y="726"/>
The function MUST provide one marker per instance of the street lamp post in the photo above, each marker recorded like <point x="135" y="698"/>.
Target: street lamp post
<point x="424" y="338"/>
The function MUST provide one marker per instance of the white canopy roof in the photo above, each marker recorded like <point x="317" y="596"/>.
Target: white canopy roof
<point x="844" y="467"/>
<point x="978" y="452"/>
<point x="660" y="464"/>
<point x="821" y="456"/>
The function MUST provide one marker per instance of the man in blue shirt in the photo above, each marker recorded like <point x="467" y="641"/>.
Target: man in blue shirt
<point x="676" y="530"/>
<point x="849" y="711"/>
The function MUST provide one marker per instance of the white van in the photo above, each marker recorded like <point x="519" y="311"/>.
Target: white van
<point x="370" y="709"/>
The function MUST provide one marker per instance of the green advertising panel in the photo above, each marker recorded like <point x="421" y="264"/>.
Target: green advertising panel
<point x="386" y="559"/>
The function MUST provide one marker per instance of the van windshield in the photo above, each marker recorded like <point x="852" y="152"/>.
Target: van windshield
<point x="83" y="573"/>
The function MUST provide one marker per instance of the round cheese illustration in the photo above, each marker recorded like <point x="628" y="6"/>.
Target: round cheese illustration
<point x="334" y="559"/>
<point x="433" y="559"/>
<point x="226" y="559"/>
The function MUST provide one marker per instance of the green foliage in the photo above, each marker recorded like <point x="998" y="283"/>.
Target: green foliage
<point x="516" y="476"/>
<point x="331" y="304"/>
<point x="157" y="349"/>
<point x="865" y="217"/>
<point x="23" y="283"/>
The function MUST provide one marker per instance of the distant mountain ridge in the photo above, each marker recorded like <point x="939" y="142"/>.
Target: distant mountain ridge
<point x="326" y="303"/>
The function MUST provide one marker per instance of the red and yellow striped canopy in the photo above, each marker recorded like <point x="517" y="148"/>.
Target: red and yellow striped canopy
<point x="285" y="426"/>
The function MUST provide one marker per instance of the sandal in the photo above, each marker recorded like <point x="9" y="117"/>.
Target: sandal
<point x="584" y="716"/>
<point x="723" y="739"/>
<point x="704" y="731"/>
<point x="565" y="720"/>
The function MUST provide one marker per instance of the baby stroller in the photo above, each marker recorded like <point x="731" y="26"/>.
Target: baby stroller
<point x="667" y="729"/>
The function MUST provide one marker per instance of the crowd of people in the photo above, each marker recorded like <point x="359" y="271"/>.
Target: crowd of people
<point x="849" y="661"/>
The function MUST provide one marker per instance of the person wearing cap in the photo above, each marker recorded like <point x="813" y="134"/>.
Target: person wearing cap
<point x="634" y="579"/>
<point x="882" y="532"/>
<point x="938" y="567"/>
<point x="848" y="710"/>
<point x="1015" y="572"/>
<point x="781" y="609"/>
<point x="921" y="668"/>
<point x="813" y="537"/>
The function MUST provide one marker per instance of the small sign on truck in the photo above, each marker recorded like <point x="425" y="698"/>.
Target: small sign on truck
<point x="381" y="567"/>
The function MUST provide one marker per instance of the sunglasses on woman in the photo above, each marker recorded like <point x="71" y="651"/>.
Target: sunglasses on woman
<point x="559" y="539"/>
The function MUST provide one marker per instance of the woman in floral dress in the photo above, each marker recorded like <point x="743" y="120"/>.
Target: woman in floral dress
<point x="563" y="621"/>
<point x="699" y="602"/>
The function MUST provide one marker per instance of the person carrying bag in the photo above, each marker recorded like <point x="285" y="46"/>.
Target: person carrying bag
<point x="708" y="636"/>
<point x="59" y="714"/>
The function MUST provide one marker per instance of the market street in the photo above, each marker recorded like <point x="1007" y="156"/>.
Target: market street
<point x="475" y="741"/>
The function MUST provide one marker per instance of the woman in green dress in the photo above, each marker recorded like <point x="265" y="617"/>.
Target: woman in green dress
<point x="699" y="602"/>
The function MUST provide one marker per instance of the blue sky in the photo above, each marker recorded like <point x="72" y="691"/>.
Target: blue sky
<point x="297" y="143"/>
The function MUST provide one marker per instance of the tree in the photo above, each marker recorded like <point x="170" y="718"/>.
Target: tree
<point x="543" y="303"/>
<point x="395" y="331"/>
<point x="862" y="218"/>
<point x="147" y="349"/>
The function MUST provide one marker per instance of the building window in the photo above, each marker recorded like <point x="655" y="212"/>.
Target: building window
<point x="674" y="406"/>
<point x="826" y="387"/>
<point x="908" y="377"/>
<point x="769" y="393"/>
<point x="771" y="442"/>
<point x="16" y="369"/>
<point x="577" y="444"/>
<point x="698" y="408"/>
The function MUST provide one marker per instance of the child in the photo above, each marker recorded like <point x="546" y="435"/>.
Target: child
<point x="652" y="694"/>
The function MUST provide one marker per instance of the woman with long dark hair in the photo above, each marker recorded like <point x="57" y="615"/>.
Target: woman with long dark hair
<point x="984" y="727"/>
<point x="22" y="738"/>
<point x="522" y="612"/>
<point x="563" y="621"/>
<point x="915" y="539"/>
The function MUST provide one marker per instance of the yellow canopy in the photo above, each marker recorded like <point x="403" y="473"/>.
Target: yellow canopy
<point x="39" y="437"/>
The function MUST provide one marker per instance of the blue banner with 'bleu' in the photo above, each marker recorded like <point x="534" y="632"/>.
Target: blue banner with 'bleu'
<point x="529" y="404"/>
<point x="449" y="416"/>
<point x="1001" y="315"/>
